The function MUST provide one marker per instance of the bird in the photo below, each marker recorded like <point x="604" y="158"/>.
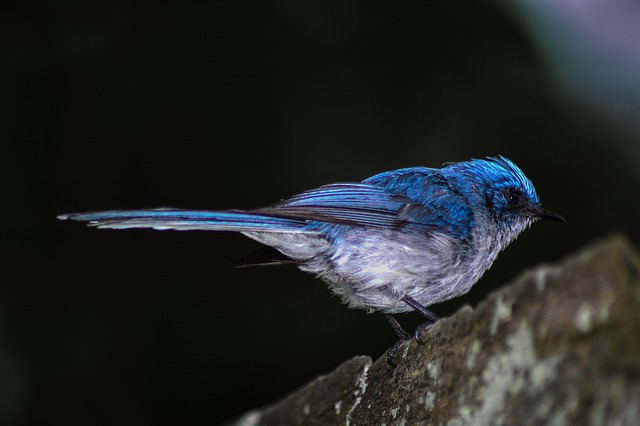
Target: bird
<point x="396" y="242"/>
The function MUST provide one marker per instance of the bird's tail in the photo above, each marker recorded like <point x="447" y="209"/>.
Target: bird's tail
<point x="188" y="220"/>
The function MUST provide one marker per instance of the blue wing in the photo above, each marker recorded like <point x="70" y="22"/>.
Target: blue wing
<point x="417" y="199"/>
<point x="347" y="203"/>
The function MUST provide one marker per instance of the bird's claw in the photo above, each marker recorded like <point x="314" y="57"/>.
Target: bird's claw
<point x="420" y="329"/>
<point x="392" y="351"/>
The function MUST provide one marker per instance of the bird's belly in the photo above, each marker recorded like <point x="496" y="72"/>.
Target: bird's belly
<point x="374" y="271"/>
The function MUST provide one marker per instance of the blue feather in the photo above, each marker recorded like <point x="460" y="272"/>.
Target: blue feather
<point x="188" y="220"/>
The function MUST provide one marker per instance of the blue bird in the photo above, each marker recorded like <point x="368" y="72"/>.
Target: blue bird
<point x="398" y="241"/>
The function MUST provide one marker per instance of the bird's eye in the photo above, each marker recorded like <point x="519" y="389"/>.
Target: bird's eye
<point x="512" y="196"/>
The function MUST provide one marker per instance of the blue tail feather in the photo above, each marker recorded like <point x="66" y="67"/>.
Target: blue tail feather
<point x="187" y="220"/>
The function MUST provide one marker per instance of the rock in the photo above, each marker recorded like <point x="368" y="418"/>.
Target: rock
<point x="561" y="345"/>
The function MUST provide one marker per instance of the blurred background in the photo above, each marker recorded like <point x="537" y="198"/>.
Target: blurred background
<point x="218" y="105"/>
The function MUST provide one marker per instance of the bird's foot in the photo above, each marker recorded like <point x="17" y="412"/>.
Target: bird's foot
<point x="402" y="335"/>
<point x="420" y="329"/>
<point x="391" y="353"/>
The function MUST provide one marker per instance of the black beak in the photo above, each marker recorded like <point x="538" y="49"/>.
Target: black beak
<point x="541" y="213"/>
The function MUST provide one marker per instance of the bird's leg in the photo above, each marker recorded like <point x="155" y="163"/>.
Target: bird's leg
<point x="431" y="317"/>
<point x="403" y="337"/>
<point x="397" y="328"/>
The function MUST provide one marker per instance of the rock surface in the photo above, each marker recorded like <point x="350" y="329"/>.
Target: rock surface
<point x="561" y="345"/>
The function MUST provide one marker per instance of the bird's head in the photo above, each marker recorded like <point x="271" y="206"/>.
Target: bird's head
<point x="509" y="195"/>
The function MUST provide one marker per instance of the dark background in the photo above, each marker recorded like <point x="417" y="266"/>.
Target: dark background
<point x="221" y="105"/>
